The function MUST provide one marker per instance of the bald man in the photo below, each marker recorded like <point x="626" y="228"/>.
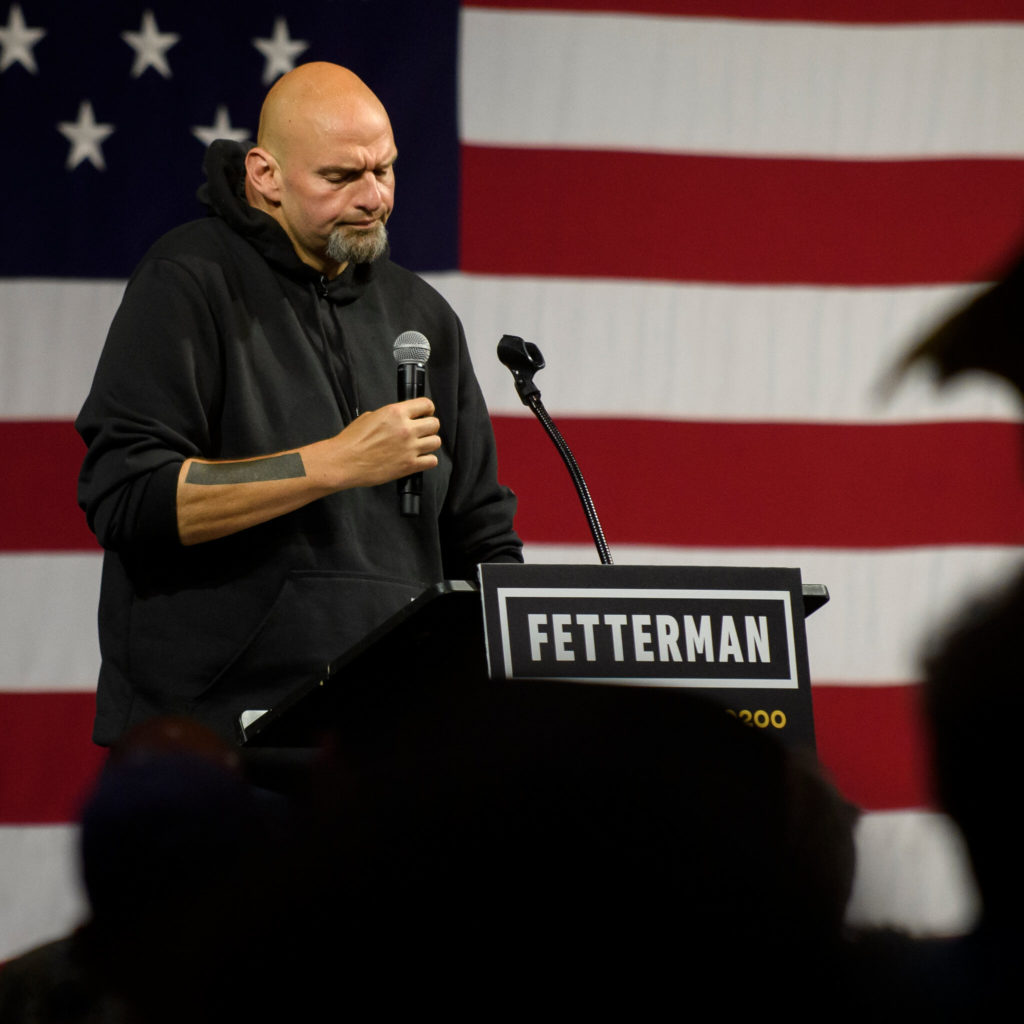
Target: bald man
<point x="243" y="437"/>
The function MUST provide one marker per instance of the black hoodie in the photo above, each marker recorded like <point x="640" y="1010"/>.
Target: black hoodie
<point x="226" y="345"/>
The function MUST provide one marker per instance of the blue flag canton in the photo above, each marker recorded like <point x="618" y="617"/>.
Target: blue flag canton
<point x="107" y="109"/>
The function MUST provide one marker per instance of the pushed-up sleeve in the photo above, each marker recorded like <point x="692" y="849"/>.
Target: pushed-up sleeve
<point x="149" y="407"/>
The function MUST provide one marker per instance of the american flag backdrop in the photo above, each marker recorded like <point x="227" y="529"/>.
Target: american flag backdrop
<point x="721" y="221"/>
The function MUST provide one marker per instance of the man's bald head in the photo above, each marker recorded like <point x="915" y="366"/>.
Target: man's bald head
<point x="322" y="166"/>
<point x="317" y="97"/>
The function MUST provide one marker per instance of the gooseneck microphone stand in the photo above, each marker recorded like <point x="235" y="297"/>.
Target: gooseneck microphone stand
<point x="523" y="359"/>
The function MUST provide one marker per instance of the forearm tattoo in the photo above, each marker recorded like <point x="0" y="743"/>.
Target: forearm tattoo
<point x="274" y="467"/>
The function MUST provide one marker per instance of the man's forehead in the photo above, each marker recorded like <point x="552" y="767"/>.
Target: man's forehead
<point x="347" y="150"/>
<point x="338" y="144"/>
<point x="355" y="161"/>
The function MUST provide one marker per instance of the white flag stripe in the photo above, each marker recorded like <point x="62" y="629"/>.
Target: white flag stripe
<point x="911" y="873"/>
<point x="738" y="86"/>
<point x="48" y="608"/>
<point x="883" y="606"/>
<point x="41" y="897"/>
<point x="729" y="352"/>
<point x="718" y="352"/>
<point x="51" y="334"/>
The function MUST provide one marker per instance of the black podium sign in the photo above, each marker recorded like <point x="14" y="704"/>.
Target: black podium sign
<point x="735" y="633"/>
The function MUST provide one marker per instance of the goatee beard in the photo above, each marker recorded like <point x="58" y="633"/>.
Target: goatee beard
<point x="349" y="245"/>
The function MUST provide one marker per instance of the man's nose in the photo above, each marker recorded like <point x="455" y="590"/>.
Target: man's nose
<point x="369" y="193"/>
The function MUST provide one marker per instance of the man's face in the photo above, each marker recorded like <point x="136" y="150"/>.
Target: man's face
<point x="337" y="190"/>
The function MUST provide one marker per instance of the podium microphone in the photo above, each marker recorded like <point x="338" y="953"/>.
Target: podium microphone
<point x="524" y="359"/>
<point x="412" y="350"/>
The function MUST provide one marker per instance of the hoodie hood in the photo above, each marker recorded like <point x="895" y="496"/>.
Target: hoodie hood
<point x="223" y="194"/>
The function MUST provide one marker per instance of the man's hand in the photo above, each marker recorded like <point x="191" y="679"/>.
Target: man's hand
<point x="386" y="444"/>
<point x="216" y="499"/>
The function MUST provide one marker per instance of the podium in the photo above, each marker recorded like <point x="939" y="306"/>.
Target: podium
<point x="735" y="635"/>
<point x="434" y="642"/>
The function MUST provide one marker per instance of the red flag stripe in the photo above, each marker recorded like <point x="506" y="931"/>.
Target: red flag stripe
<point x="846" y="11"/>
<point x="666" y="482"/>
<point x="40" y="462"/>
<point x="771" y="485"/>
<point x="872" y="741"/>
<point x="735" y="219"/>
<point x="47" y="759"/>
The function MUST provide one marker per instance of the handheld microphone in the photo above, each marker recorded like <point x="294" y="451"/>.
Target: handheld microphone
<point x="412" y="350"/>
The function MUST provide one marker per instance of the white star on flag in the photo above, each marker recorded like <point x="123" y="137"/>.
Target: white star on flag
<point x="85" y="136"/>
<point x="220" y="129"/>
<point x="150" y="46"/>
<point x="280" y="51"/>
<point x="17" y="40"/>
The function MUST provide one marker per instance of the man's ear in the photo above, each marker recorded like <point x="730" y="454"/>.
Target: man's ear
<point x="262" y="174"/>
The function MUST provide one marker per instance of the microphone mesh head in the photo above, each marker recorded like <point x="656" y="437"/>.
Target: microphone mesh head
<point x="411" y="347"/>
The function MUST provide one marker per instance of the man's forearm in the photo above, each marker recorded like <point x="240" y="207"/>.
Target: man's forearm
<point x="218" y="498"/>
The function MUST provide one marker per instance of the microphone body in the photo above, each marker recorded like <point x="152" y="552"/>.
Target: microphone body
<point x="412" y="350"/>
